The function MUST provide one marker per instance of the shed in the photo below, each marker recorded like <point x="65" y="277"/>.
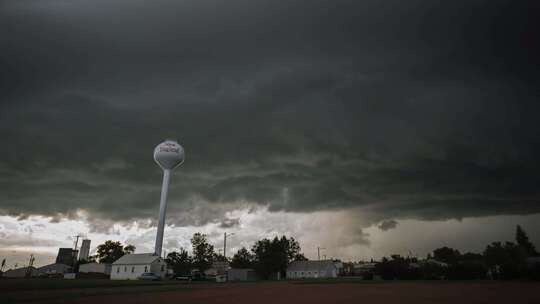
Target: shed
<point x="131" y="266"/>
<point x="95" y="268"/>
<point x="312" y="269"/>
<point x="241" y="274"/>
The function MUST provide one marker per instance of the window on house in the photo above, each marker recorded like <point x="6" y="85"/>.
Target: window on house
<point x="125" y="268"/>
<point x="132" y="269"/>
<point x="118" y="269"/>
<point x="145" y="268"/>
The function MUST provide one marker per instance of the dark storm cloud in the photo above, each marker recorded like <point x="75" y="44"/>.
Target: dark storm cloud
<point x="420" y="109"/>
<point x="387" y="225"/>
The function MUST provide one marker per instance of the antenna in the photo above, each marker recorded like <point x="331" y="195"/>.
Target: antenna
<point x="168" y="155"/>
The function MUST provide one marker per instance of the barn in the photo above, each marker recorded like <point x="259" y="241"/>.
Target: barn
<point x="131" y="266"/>
<point x="312" y="269"/>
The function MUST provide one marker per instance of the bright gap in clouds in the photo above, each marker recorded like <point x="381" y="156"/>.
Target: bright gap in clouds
<point x="341" y="233"/>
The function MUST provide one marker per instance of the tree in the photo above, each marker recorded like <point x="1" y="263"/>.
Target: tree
<point x="507" y="261"/>
<point x="242" y="259"/>
<point x="273" y="256"/>
<point x="180" y="262"/>
<point x="523" y="241"/>
<point x="300" y="257"/>
<point x="110" y="251"/>
<point x="397" y="267"/>
<point x="218" y="257"/>
<point x="203" y="252"/>
<point x="446" y="255"/>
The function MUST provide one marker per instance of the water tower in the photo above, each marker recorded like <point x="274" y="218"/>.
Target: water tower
<point x="168" y="155"/>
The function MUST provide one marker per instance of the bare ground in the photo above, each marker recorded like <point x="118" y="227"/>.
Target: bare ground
<point x="298" y="293"/>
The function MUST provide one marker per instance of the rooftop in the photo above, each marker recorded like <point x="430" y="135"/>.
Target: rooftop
<point x="136" y="259"/>
<point x="310" y="265"/>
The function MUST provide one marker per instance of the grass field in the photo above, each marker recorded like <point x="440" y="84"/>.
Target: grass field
<point x="298" y="292"/>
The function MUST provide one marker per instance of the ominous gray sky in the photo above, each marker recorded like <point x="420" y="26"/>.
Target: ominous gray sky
<point x="421" y="110"/>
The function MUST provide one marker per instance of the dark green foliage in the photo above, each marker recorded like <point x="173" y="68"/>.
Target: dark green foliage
<point x="203" y="252"/>
<point x="110" y="251"/>
<point x="273" y="256"/>
<point x="446" y="255"/>
<point x="243" y="259"/>
<point x="506" y="261"/>
<point x="180" y="262"/>
<point x="523" y="241"/>
<point x="398" y="268"/>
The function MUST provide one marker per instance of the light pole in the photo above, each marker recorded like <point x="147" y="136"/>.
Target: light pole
<point x="168" y="155"/>
<point x="225" y="235"/>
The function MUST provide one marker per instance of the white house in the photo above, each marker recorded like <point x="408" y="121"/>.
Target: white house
<point x="312" y="269"/>
<point x="131" y="266"/>
<point x="95" y="268"/>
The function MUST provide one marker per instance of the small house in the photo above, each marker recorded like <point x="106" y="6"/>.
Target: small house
<point x="241" y="274"/>
<point x="131" y="266"/>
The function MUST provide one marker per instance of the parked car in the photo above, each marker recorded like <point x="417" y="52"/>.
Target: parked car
<point x="149" y="276"/>
<point x="194" y="276"/>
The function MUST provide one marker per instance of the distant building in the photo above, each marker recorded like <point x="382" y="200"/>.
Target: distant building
<point x="362" y="269"/>
<point x="95" y="268"/>
<point x="312" y="269"/>
<point x="22" y="272"/>
<point x="66" y="256"/>
<point x="241" y="274"/>
<point x="85" y="250"/>
<point x="55" y="268"/>
<point x="217" y="268"/>
<point x="131" y="266"/>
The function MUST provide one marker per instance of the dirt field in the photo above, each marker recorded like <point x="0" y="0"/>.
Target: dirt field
<point x="288" y="292"/>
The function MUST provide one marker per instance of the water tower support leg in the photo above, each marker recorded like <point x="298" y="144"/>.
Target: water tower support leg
<point x="162" y="210"/>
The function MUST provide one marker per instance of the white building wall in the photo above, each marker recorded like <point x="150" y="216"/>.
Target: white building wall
<point x="159" y="269"/>
<point x="128" y="272"/>
<point x="306" y="274"/>
<point x="95" y="267"/>
<point x="132" y="272"/>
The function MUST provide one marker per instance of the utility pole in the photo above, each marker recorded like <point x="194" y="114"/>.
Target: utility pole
<point x="30" y="264"/>
<point x="319" y="253"/>
<point x="225" y="235"/>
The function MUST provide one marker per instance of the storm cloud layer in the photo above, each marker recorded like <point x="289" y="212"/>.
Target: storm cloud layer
<point x="400" y="109"/>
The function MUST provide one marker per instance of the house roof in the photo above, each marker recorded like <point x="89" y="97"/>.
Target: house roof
<point x="54" y="266"/>
<point x="310" y="265"/>
<point x="136" y="259"/>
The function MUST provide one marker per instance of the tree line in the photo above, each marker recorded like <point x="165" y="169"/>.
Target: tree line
<point x="498" y="261"/>
<point x="267" y="256"/>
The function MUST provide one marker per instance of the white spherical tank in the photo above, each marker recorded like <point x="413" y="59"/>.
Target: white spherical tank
<point x="169" y="154"/>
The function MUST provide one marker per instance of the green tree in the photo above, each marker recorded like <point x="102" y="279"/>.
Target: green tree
<point x="110" y="251"/>
<point x="523" y="241"/>
<point x="242" y="259"/>
<point x="203" y="252"/>
<point x="446" y="255"/>
<point x="506" y="260"/>
<point x="273" y="256"/>
<point x="180" y="262"/>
